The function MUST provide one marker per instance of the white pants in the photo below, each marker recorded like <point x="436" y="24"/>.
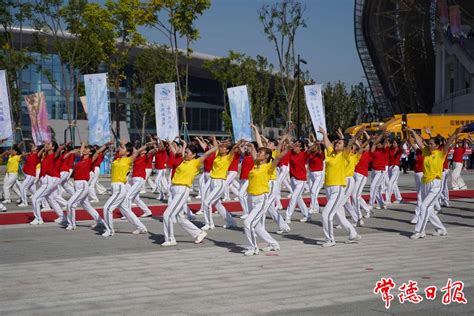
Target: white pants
<point x="335" y="197"/>
<point x="119" y="200"/>
<point x="456" y="180"/>
<point x="271" y="209"/>
<point x="340" y="214"/>
<point x="161" y="185"/>
<point x="418" y="177"/>
<point x="205" y="185"/>
<point x="385" y="184"/>
<point x="175" y="213"/>
<point x="429" y="194"/>
<point x="64" y="184"/>
<point x="394" y="174"/>
<point x="80" y="197"/>
<point x="48" y="187"/>
<point x="253" y="226"/>
<point x="243" y="196"/>
<point x="9" y="182"/>
<point x="348" y="193"/>
<point x="376" y="187"/>
<point x="296" y="198"/>
<point x="214" y="197"/>
<point x="27" y="184"/>
<point x="444" y="196"/>
<point x="93" y="183"/>
<point x="359" y="202"/>
<point x="231" y="184"/>
<point x="316" y="180"/>
<point x="133" y="195"/>
<point x="282" y="179"/>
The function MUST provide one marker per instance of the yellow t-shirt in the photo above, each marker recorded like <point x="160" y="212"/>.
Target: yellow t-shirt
<point x="186" y="172"/>
<point x="432" y="165"/>
<point x="335" y="170"/>
<point x="13" y="164"/>
<point x="120" y="169"/>
<point x="275" y="154"/>
<point x="259" y="177"/>
<point x="351" y="162"/>
<point x="221" y="165"/>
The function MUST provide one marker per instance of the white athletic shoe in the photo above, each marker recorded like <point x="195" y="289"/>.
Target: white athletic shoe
<point x="230" y="225"/>
<point x="279" y="206"/>
<point x="6" y="201"/>
<point x="207" y="227"/>
<point x="439" y="233"/>
<point x="337" y="226"/>
<point x="354" y="239"/>
<point x="377" y="207"/>
<point x="397" y="202"/>
<point x="198" y="197"/>
<point x="200" y="212"/>
<point x="22" y="205"/>
<point x="97" y="224"/>
<point x="69" y="227"/>
<point x="36" y="222"/>
<point x="288" y="220"/>
<point x="18" y="201"/>
<point x="123" y="218"/>
<point x="244" y="216"/>
<point x="360" y="223"/>
<point x="146" y="214"/>
<point x="328" y="243"/>
<point x="289" y="195"/>
<point x="418" y="235"/>
<point x="384" y="206"/>
<point x="172" y="242"/>
<point x="272" y="248"/>
<point x="59" y="220"/>
<point x="283" y="231"/>
<point x="142" y="191"/>
<point x="108" y="233"/>
<point x="140" y="231"/>
<point x="200" y="237"/>
<point x="305" y="219"/>
<point x="236" y="198"/>
<point x="94" y="201"/>
<point x="251" y="252"/>
<point x="414" y="220"/>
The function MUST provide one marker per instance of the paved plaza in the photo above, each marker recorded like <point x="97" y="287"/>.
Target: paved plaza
<point x="49" y="271"/>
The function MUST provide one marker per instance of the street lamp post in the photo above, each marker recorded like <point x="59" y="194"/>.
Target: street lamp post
<point x="298" y="70"/>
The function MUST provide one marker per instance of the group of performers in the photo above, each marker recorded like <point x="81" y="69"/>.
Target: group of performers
<point x="341" y="166"/>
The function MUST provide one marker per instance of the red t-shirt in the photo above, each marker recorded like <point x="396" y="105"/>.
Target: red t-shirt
<point x="174" y="163"/>
<point x="362" y="166"/>
<point x="234" y="165"/>
<point x="378" y="159"/>
<point x="50" y="166"/>
<point x="298" y="165"/>
<point x="161" y="157"/>
<point x="98" y="161"/>
<point x="394" y="156"/>
<point x="139" y="165"/>
<point x="419" y="161"/>
<point x="149" y="162"/>
<point x="458" y="154"/>
<point x="82" y="169"/>
<point x="246" y="167"/>
<point x="285" y="160"/>
<point x="316" y="161"/>
<point x="67" y="163"/>
<point x="29" y="167"/>
<point x="208" y="162"/>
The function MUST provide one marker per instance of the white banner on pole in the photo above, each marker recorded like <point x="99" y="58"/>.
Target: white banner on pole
<point x="6" y="128"/>
<point x="240" y="112"/>
<point x="97" y="100"/>
<point x="314" y="102"/>
<point x="166" y="113"/>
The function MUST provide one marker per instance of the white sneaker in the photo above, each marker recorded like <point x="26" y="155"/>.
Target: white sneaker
<point x="283" y="231"/>
<point x="198" y="197"/>
<point x="200" y="237"/>
<point x="6" y="201"/>
<point x="377" y="207"/>
<point x="36" y="222"/>
<point x="279" y="206"/>
<point x="146" y="214"/>
<point x="397" y="202"/>
<point x="288" y="220"/>
<point x="328" y="244"/>
<point x="414" y="220"/>
<point x="140" y="231"/>
<point x="236" y="198"/>
<point x="189" y="199"/>
<point x="59" y="220"/>
<point x="440" y="233"/>
<point x="23" y="205"/>
<point x="272" y="248"/>
<point x="354" y="239"/>
<point x="94" y="201"/>
<point x="230" y="225"/>
<point x="95" y="225"/>
<point x="418" y="235"/>
<point x="289" y="195"/>
<point x="69" y="227"/>
<point x="199" y="213"/>
<point x="305" y="219"/>
<point x="108" y="233"/>
<point x="207" y="227"/>
<point x="251" y="252"/>
<point x="360" y="223"/>
<point x="172" y="242"/>
<point x="123" y="218"/>
<point x="142" y="191"/>
<point x="384" y="206"/>
<point x="337" y="226"/>
<point x="244" y="216"/>
<point x="18" y="201"/>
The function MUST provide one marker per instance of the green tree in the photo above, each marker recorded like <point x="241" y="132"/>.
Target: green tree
<point x="340" y="107"/>
<point x="14" y="58"/>
<point x="281" y="21"/>
<point x="178" y="24"/>
<point x="153" y="65"/>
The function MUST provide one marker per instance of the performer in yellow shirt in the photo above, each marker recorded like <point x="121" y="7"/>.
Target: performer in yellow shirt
<point x="11" y="175"/>
<point x="224" y="157"/>
<point x="181" y="183"/>
<point x="260" y="199"/>
<point x="119" y="173"/>
<point x="431" y="182"/>
<point x="335" y="182"/>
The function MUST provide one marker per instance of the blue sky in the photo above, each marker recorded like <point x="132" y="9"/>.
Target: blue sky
<point x="327" y="43"/>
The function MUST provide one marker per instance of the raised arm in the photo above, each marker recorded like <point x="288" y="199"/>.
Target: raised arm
<point x="282" y="154"/>
<point x="101" y="150"/>
<point x="327" y="143"/>
<point x="451" y="140"/>
<point x="417" y="138"/>
<point x="208" y="153"/>
<point x="258" y="137"/>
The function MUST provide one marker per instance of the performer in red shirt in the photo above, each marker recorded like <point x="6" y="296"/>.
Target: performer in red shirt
<point x="231" y="183"/>
<point x="379" y="151"/>
<point x="456" y="180"/>
<point x="361" y="173"/>
<point x="94" y="179"/>
<point x="418" y="175"/>
<point x="205" y="178"/>
<point x="246" y="167"/>
<point x="67" y="162"/>
<point x="395" y="152"/>
<point x="29" y="170"/>
<point x="161" y="185"/>
<point x="316" y="174"/>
